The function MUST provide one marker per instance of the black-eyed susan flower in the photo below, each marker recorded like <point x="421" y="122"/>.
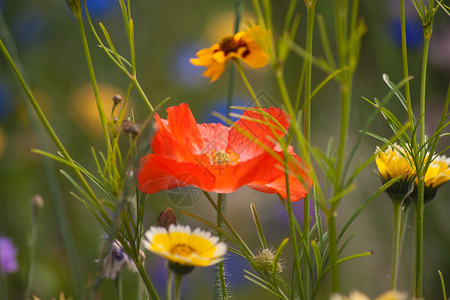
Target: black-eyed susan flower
<point x="392" y="163"/>
<point x="437" y="174"/>
<point x="244" y="45"/>
<point x="183" y="248"/>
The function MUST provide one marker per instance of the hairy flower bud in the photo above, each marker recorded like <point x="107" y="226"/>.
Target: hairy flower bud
<point x="264" y="261"/>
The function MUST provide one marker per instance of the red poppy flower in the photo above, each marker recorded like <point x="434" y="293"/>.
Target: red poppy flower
<point x="220" y="159"/>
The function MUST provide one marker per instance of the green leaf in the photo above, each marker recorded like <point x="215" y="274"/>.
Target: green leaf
<point x="277" y="257"/>
<point x="262" y="283"/>
<point x="349" y="258"/>
<point x="80" y="189"/>
<point x="79" y="167"/>
<point x="396" y="91"/>
<point x="259" y="229"/>
<point x="367" y="203"/>
<point x="318" y="258"/>
<point x="444" y="292"/>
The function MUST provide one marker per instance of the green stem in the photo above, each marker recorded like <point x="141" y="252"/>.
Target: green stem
<point x="222" y="293"/>
<point x="142" y="93"/>
<point x="144" y="276"/>
<point x="396" y="234"/>
<point x="331" y="218"/>
<point x="169" y="286"/>
<point x="101" y="112"/>
<point x="178" y="278"/>
<point x="247" y="84"/>
<point x="418" y="242"/>
<point x="244" y="248"/>
<point x="423" y="84"/>
<point x="284" y="94"/>
<point x="237" y="20"/>
<point x="421" y="174"/>
<point x="307" y="129"/>
<point x="405" y="62"/>
<point x="118" y="287"/>
<point x="293" y="234"/>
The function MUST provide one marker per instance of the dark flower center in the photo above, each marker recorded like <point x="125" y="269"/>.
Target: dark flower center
<point x="228" y="44"/>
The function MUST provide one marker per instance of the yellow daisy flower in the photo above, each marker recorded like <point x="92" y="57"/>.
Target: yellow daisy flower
<point x="245" y="45"/>
<point x="437" y="174"/>
<point x="392" y="163"/>
<point x="182" y="246"/>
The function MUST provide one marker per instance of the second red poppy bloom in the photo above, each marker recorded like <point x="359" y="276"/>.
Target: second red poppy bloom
<point x="221" y="159"/>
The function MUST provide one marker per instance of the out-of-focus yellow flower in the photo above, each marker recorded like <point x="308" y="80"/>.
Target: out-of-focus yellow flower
<point x="83" y="107"/>
<point x="355" y="295"/>
<point x="393" y="295"/>
<point x="392" y="163"/>
<point x="244" y="45"/>
<point x="184" y="248"/>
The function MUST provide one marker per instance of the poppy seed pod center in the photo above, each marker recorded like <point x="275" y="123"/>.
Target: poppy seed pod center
<point x="222" y="158"/>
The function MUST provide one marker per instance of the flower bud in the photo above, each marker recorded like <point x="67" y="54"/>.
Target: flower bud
<point x="117" y="99"/>
<point x="166" y="218"/>
<point x="264" y="261"/>
<point x="75" y="7"/>
<point x="130" y="128"/>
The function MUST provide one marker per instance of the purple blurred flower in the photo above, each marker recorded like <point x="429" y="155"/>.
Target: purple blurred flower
<point x="115" y="260"/>
<point x="8" y="256"/>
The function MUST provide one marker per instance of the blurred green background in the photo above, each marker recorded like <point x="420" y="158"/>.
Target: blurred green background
<point x="167" y="34"/>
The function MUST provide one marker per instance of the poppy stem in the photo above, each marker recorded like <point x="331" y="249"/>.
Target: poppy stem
<point x="222" y="293"/>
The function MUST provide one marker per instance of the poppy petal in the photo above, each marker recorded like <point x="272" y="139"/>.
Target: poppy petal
<point x="161" y="173"/>
<point x="252" y="124"/>
<point x="178" y="136"/>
